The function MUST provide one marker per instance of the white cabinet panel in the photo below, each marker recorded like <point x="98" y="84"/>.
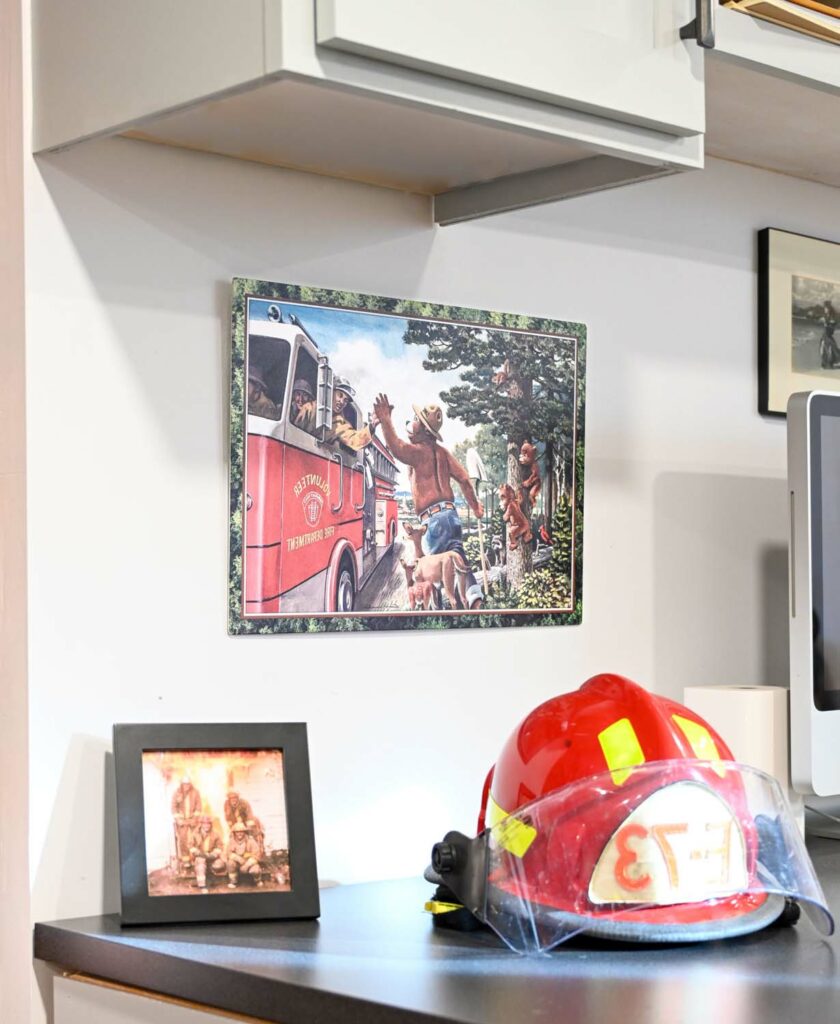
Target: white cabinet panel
<point x="103" y="64"/>
<point x="622" y="58"/>
<point x="78" y="1000"/>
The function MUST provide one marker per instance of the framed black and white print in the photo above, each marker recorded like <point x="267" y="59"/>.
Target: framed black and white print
<point x="215" y="822"/>
<point x="798" y="310"/>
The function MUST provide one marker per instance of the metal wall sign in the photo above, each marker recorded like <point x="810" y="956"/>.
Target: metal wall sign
<point x="398" y="464"/>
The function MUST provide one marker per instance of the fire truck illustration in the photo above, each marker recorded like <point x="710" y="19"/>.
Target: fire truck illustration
<point x="318" y="517"/>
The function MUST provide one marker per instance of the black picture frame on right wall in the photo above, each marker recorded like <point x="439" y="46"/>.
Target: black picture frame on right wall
<point x="798" y="317"/>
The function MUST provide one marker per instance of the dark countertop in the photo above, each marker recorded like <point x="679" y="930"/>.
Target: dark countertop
<point x="374" y="958"/>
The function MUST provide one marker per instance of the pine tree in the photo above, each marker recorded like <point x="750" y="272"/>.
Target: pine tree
<point x="561" y="536"/>
<point x="535" y="403"/>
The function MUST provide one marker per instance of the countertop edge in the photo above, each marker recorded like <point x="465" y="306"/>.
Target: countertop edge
<point x="210" y="984"/>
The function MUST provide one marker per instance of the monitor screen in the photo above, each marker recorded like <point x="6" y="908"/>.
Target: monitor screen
<point x="825" y="550"/>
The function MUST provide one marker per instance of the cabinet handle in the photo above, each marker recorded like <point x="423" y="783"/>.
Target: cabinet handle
<point x="702" y="27"/>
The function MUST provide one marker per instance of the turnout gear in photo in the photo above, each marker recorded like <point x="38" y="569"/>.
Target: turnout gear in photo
<point x="236" y="809"/>
<point x="186" y="800"/>
<point x="242" y="856"/>
<point x="186" y="807"/>
<point x="620" y="814"/>
<point x="254" y="826"/>
<point x="207" y="850"/>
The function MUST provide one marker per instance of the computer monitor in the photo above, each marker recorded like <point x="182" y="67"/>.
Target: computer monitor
<point x="813" y="430"/>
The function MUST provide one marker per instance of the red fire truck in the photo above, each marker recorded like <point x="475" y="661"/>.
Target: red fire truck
<point x="318" y="517"/>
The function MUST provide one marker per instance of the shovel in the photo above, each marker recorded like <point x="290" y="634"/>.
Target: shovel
<point x="477" y="472"/>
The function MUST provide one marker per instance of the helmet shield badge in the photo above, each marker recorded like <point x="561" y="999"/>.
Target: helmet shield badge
<point x="670" y="851"/>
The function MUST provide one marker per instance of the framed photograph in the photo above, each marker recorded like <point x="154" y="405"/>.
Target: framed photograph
<point x="215" y="822"/>
<point x="798" y="311"/>
<point x="397" y="464"/>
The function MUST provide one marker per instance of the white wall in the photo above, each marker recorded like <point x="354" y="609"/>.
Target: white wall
<point x="130" y="250"/>
<point x="14" y="877"/>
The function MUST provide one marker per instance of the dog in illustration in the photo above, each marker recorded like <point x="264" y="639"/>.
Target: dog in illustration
<point x="446" y="569"/>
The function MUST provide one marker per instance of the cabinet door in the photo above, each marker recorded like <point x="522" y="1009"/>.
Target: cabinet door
<point x="619" y="58"/>
<point x="81" y="1000"/>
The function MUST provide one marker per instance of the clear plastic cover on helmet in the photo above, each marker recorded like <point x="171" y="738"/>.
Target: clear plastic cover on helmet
<point x="667" y="851"/>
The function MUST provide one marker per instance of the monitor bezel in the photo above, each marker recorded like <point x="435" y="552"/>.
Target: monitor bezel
<point x="821" y="407"/>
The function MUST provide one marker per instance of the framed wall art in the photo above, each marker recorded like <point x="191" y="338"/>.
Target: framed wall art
<point x="817" y="18"/>
<point x="798" y="309"/>
<point x="215" y="822"/>
<point x="397" y="464"/>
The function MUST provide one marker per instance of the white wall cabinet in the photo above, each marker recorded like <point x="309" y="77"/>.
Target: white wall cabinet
<point x="483" y="105"/>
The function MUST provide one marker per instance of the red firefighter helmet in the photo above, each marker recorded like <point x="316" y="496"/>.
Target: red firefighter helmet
<point x="609" y="724"/>
<point x="619" y="813"/>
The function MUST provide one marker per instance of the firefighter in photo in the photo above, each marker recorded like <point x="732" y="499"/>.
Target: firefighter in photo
<point x="304" y="408"/>
<point x="342" y="430"/>
<point x="259" y="402"/>
<point x="242" y="856"/>
<point x="207" y="850"/>
<point x="257" y="832"/>
<point x="186" y="807"/>
<point x="430" y="470"/>
<point x="237" y="809"/>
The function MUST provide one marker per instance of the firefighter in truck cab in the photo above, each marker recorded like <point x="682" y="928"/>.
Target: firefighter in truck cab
<point x="304" y="408"/>
<point x="342" y="430"/>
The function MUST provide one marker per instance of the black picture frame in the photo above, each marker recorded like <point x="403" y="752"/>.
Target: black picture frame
<point x="795" y="274"/>
<point x="132" y="741"/>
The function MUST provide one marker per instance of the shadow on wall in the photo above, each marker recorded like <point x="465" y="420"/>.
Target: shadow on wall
<point x="159" y="233"/>
<point x="77" y="842"/>
<point x="78" y="873"/>
<point x="153" y="226"/>
<point x="720" y="581"/>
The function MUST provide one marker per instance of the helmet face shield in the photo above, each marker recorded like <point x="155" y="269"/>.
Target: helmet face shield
<point x="668" y="851"/>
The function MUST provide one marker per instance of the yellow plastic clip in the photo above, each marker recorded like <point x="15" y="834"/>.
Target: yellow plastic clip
<point x="441" y="907"/>
<point x="510" y="833"/>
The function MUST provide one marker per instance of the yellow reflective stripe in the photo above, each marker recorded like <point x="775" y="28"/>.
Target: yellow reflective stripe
<point x="493" y="814"/>
<point x="510" y="833"/>
<point x="515" y="836"/>
<point x="440" y="907"/>
<point x="701" y="742"/>
<point x="621" y="748"/>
